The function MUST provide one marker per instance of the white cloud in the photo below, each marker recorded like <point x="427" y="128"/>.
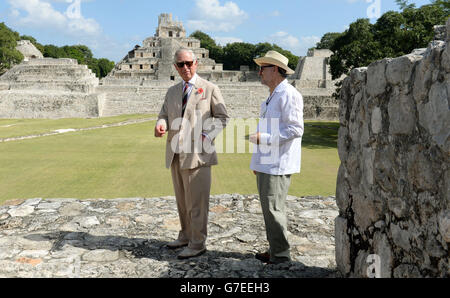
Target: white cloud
<point x="41" y="14"/>
<point x="223" y="41"/>
<point x="295" y="45"/>
<point x="209" y="15"/>
<point x="275" y="13"/>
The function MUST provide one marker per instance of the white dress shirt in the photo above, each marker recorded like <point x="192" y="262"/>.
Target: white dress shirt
<point x="281" y="128"/>
<point x="191" y="84"/>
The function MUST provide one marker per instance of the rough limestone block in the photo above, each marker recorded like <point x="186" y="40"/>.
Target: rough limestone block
<point x="419" y="169"/>
<point x="383" y="249"/>
<point x="434" y="115"/>
<point x="399" y="70"/>
<point x="393" y="185"/>
<point x="422" y="81"/>
<point x="368" y="156"/>
<point x="402" y="114"/>
<point x="376" y="78"/>
<point x="407" y="271"/>
<point x="400" y="237"/>
<point x="342" y="142"/>
<point x="448" y="30"/>
<point x="342" y="190"/>
<point x="376" y="121"/>
<point x="342" y="245"/>
<point x="361" y="265"/>
<point x="367" y="210"/>
<point x="444" y="225"/>
<point x="398" y="206"/>
<point x="446" y="58"/>
<point x="358" y="75"/>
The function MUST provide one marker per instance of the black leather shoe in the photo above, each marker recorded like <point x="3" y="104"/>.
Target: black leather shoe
<point x="263" y="256"/>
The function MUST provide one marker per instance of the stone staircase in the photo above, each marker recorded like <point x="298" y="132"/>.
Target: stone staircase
<point x="49" y="88"/>
<point x="51" y="74"/>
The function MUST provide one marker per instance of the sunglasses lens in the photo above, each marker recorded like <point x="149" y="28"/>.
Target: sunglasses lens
<point x="188" y="64"/>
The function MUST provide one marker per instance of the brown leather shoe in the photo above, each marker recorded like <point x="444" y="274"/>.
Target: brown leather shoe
<point x="176" y="244"/>
<point x="263" y="256"/>
<point x="190" y="253"/>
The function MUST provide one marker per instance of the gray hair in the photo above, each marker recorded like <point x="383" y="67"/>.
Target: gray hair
<point x="194" y="58"/>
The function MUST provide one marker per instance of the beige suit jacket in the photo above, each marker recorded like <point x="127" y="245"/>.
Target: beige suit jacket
<point x="205" y="114"/>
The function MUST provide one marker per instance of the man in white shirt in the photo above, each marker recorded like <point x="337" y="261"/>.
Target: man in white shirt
<point x="277" y="153"/>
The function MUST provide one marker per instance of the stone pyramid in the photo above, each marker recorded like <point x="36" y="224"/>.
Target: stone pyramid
<point x="48" y="88"/>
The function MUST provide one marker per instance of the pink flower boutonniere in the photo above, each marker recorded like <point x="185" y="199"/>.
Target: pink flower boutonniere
<point x="200" y="92"/>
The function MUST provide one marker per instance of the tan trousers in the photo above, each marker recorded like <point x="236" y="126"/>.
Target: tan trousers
<point x="192" y="189"/>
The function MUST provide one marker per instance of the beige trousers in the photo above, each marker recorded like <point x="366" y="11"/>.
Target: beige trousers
<point x="192" y="189"/>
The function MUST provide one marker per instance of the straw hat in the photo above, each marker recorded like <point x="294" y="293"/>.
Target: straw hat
<point x="275" y="58"/>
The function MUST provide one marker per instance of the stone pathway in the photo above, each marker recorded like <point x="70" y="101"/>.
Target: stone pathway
<point x="127" y="237"/>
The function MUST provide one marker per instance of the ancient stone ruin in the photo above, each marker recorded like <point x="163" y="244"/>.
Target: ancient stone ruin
<point x="154" y="59"/>
<point x="48" y="88"/>
<point x="393" y="186"/>
<point x="313" y="79"/>
<point x="28" y="50"/>
<point x="59" y="88"/>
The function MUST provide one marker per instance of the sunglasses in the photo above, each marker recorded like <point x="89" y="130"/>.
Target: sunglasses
<point x="187" y="63"/>
<point x="261" y="68"/>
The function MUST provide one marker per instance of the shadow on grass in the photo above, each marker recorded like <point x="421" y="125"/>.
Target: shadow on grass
<point x="319" y="135"/>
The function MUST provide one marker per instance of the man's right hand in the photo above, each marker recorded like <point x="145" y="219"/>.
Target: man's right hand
<point x="160" y="131"/>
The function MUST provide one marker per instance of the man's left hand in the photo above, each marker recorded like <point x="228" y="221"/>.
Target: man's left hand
<point x="255" y="138"/>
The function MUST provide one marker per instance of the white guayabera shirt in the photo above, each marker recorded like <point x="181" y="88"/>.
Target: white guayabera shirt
<point x="281" y="127"/>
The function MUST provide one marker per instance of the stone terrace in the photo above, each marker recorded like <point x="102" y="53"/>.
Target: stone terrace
<point x="127" y="237"/>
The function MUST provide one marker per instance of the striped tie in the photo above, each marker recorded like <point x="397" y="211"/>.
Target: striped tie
<point x="185" y="98"/>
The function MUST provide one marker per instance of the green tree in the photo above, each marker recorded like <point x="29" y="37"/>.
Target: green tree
<point x="105" y="66"/>
<point x="80" y="52"/>
<point x="388" y="31"/>
<point x="234" y="55"/>
<point x="101" y="67"/>
<point x="262" y="48"/>
<point x="356" y="47"/>
<point x="327" y="40"/>
<point x="418" y="27"/>
<point x="444" y="4"/>
<point x="8" y="53"/>
<point x="206" y="42"/>
<point x="394" y="34"/>
<point x="237" y="54"/>
<point x="403" y="4"/>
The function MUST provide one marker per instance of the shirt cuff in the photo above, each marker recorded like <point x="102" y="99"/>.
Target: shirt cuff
<point x="264" y="139"/>
<point x="206" y="136"/>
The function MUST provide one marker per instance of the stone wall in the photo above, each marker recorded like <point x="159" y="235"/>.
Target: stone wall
<point x="243" y="100"/>
<point x="393" y="186"/>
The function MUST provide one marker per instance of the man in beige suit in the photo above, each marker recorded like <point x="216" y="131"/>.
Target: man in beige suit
<point x="193" y="114"/>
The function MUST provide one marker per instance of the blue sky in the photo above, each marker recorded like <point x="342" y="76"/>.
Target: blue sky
<point x="113" y="27"/>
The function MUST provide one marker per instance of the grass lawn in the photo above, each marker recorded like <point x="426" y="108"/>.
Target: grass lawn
<point x="10" y="128"/>
<point x="127" y="161"/>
